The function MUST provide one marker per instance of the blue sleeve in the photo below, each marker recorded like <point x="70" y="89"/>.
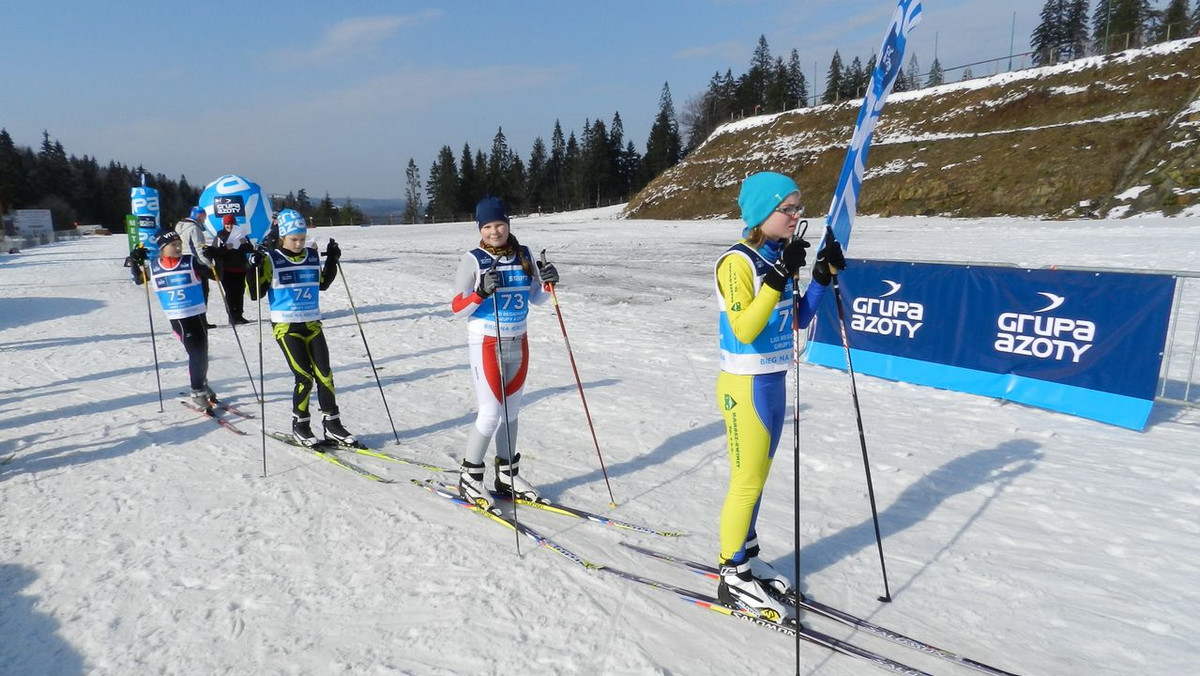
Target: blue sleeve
<point x="810" y="302"/>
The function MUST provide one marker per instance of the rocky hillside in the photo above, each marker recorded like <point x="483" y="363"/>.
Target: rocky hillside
<point x="1120" y="134"/>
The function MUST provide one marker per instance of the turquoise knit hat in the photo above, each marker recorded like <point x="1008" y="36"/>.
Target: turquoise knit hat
<point x="760" y="194"/>
<point x="290" y="222"/>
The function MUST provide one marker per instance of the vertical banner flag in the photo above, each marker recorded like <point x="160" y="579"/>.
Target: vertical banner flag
<point x="891" y="61"/>
<point x="143" y="203"/>
<point x="1049" y="338"/>
<point x="131" y="230"/>
<point x="232" y="194"/>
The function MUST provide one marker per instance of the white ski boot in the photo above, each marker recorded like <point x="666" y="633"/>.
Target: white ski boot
<point x="470" y="485"/>
<point x="739" y="590"/>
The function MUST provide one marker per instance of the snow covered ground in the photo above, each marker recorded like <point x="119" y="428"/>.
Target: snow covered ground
<point x="134" y="541"/>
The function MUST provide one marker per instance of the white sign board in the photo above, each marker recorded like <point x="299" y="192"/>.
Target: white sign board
<point x="33" y="222"/>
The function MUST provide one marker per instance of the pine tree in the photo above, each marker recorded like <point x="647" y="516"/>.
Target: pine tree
<point x="1075" y="30"/>
<point x="936" y="77"/>
<point x="469" y="189"/>
<point x="1174" y="21"/>
<point x="663" y="147"/>
<point x="1120" y="24"/>
<point x="538" y="187"/>
<point x="326" y="212"/>
<point x="52" y="173"/>
<point x="558" y="166"/>
<point x="854" y="80"/>
<point x="833" y="79"/>
<point x="797" y="86"/>
<point x="1048" y="37"/>
<point x="1195" y="27"/>
<point x="914" y="73"/>
<point x="413" y="209"/>
<point x="499" y="163"/>
<point x="759" y="76"/>
<point x="572" y="198"/>
<point x="775" y="95"/>
<point x="443" y="187"/>
<point x="14" y="185"/>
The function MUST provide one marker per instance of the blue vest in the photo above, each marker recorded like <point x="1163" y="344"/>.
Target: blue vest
<point x="295" y="288"/>
<point x="178" y="288"/>
<point x="771" y="351"/>
<point x="511" y="297"/>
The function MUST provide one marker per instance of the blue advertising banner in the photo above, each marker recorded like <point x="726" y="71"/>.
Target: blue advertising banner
<point x="143" y="203"/>
<point x="1085" y="343"/>
<point x="245" y="200"/>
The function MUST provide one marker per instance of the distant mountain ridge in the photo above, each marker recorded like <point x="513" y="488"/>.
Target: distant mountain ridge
<point x="384" y="210"/>
<point x="1111" y="135"/>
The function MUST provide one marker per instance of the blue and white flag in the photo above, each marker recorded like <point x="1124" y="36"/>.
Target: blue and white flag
<point x="245" y="200"/>
<point x="143" y="204"/>
<point x="891" y="61"/>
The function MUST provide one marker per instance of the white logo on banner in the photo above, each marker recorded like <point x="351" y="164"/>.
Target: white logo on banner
<point x="1045" y="336"/>
<point x="887" y="317"/>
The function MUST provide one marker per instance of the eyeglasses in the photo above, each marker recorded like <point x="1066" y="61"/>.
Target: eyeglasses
<point x="789" y="211"/>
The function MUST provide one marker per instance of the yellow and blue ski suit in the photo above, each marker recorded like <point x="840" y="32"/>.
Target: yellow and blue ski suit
<point x="756" y="342"/>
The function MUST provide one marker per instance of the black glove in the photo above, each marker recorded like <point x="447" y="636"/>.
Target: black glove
<point x="830" y="256"/>
<point x="333" y="252"/>
<point x="211" y="251"/>
<point x="271" y="241"/>
<point x="138" y="256"/>
<point x="256" y="257"/>
<point x="489" y="281"/>
<point x="246" y="247"/>
<point x="548" y="272"/>
<point x="791" y="259"/>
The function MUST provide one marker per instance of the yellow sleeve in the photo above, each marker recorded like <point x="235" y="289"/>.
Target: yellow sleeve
<point x="748" y="314"/>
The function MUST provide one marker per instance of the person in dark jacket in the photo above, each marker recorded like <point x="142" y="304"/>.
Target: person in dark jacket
<point x="232" y="246"/>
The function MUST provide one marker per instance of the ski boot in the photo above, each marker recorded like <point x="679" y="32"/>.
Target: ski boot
<point x="739" y="590"/>
<point x="302" y="432"/>
<point x="334" y="431"/>
<point x="470" y="485"/>
<point x="777" y="584"/>
<point x="201" y="401"/>
<point x="509" y="483"/>
<point x="212" y="396"/>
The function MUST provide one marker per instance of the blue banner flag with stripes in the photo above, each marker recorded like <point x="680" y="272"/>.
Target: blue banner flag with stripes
<point x="891" y="61"/>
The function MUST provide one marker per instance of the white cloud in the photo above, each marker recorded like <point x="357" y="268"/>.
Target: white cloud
<point x="349" y="37"/>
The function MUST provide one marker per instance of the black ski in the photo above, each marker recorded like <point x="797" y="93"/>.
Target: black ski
<point x="837" y="615"/>
<point x="213" y="417"/>
<point x="326" y="453"/>
<point x="695" y="598"/>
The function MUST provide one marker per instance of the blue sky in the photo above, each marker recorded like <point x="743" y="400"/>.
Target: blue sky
<point x="336" y="97"/>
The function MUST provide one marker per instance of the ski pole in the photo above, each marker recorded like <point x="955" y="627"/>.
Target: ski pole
<point x="612" y="502"/>
<point x="862" y="437"/>
<point x="368" y="348"/>
<point x="153" y="343"/>
<point x="504" y="402"/>
<point x="232" y="325"/>
<point x="796" y="426"/>
<point x="262" y="387"/>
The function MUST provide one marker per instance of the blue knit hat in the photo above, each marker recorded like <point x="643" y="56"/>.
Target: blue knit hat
<point x="197" y="212"/>
<point x="761" y="193"/>
<point x="490" y="209"/>
<point x="290" y="222"/>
